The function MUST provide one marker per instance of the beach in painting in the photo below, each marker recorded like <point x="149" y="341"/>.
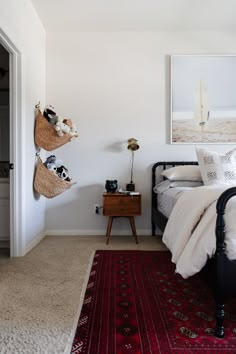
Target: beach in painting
<point x="216" y="131"/>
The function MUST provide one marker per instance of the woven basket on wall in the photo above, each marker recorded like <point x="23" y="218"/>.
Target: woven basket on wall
<point x="48" y="183"/>
<point x="46" y="136"/>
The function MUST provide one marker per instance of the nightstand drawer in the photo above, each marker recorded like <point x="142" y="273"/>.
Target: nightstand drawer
<point x="120" y="200"/>
<point x="116" y="200"/>
<point x="119" y="205"/>
<point x="121" y="210"/>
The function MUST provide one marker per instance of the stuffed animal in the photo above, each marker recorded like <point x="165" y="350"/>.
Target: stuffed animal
<point x="50" y="159"/>
<point x="68" y="122"/>
<point x="73" y="130"/>
<point x="52" y="163"/>
<point x="62" y="172"/>
<point x="61" y="128"/>
<point x="56" y="167"/>
<point x="50" y="114"/>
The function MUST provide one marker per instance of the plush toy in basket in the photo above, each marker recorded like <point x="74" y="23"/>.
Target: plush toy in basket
<point x="62" y="126"/>
<point x="56" y="167"/>
<point x="51" y="178"/>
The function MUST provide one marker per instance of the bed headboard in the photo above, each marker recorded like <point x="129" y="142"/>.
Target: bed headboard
<point x="160" y="166"/>
<point x="168" y="164"/>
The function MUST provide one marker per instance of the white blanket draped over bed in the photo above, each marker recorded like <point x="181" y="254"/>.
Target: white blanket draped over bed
<point x="190" y="231"/>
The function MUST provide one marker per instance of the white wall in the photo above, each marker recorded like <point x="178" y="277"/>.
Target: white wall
<point x="21" y="24"/>
<point x="116" y="86"/>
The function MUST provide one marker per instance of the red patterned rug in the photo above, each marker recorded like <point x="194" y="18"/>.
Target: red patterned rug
<point x="135" y="303"/>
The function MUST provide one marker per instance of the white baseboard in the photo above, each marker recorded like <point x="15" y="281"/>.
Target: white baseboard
<point x="34" y="242"/>
<point x="95" y="232"/>
<point x="40" y="237"/>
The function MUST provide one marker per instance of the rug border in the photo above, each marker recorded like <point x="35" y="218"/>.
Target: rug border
<point x="77" y="315"/>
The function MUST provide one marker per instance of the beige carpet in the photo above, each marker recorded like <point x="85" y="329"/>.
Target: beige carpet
<point x="41" y="293"/>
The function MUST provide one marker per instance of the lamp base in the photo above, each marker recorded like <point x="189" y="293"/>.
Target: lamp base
<point x="130" y="187"/>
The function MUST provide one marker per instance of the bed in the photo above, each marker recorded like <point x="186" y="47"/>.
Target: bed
<point x="220" y="267"/>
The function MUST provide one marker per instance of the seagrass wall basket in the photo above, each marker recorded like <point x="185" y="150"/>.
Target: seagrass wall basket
<point x="46" y="136"/>
<point x="48" y="183"/>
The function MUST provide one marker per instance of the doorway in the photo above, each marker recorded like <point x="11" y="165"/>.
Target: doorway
<point x="4" y="153"/>
<point x="15" y="239"/>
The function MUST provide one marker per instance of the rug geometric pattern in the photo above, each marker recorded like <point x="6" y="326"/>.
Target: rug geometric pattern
<point x="135" y="303"/>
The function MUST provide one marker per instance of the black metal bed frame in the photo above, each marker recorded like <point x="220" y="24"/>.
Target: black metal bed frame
<point x="222" y="269"/>
<point x="157" y="217"/>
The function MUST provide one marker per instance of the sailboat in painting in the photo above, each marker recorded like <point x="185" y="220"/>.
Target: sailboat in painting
<point x="201" y="107"/>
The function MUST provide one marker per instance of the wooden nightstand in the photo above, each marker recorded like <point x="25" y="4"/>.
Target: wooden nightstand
<point x="121" y="205"/>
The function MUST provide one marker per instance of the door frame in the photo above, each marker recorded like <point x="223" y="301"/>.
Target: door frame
<point x="17" y="240"/>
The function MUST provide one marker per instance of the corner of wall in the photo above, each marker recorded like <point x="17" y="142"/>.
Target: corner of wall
<point x="30" y="245"/>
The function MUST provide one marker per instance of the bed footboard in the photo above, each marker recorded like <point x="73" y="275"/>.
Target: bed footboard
<point x="225" y="269"/>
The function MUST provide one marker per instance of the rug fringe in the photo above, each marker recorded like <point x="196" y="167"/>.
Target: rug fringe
<point x="77" y="315"/>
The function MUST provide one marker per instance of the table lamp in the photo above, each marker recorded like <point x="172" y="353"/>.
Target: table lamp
<point x="132" y="146"/>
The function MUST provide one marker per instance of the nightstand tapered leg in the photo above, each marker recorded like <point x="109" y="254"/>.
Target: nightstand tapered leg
<point x="109" y="225"/>
<point x="131" y="219"/>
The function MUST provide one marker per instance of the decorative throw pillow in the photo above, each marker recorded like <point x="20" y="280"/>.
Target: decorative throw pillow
<point x="183" y="173"/>
<point x="217" y="168"/>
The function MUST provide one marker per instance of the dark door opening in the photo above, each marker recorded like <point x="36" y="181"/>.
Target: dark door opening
<point x="4" y="154"/>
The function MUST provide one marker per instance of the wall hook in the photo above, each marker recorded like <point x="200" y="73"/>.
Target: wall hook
<point x="37" y="105"/>
<point x="38" y="152"/>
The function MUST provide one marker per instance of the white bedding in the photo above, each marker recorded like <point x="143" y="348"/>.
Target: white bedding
<point x="190" y="231"/>
<point x="167" y="199"/>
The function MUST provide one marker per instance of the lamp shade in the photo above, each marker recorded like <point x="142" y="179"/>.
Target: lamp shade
<point x="132" y="144"/>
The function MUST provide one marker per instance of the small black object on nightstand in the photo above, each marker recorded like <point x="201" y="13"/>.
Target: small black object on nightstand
<point x="111" y="186"/>
<point x="130" y="187"/>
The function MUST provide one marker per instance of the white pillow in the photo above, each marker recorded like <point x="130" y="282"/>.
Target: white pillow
<point x="217" y="168"/>
<point x="183" y="173"/>
<point x="165" y="185"/>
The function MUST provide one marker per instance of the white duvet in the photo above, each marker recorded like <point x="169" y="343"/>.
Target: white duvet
<point x="190" y="231"/>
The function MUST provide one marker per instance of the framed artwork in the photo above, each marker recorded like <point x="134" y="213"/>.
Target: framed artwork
<point x="203" y="99"/>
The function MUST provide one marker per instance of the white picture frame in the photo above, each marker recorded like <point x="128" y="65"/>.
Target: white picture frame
<point x="203" y="99"/>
